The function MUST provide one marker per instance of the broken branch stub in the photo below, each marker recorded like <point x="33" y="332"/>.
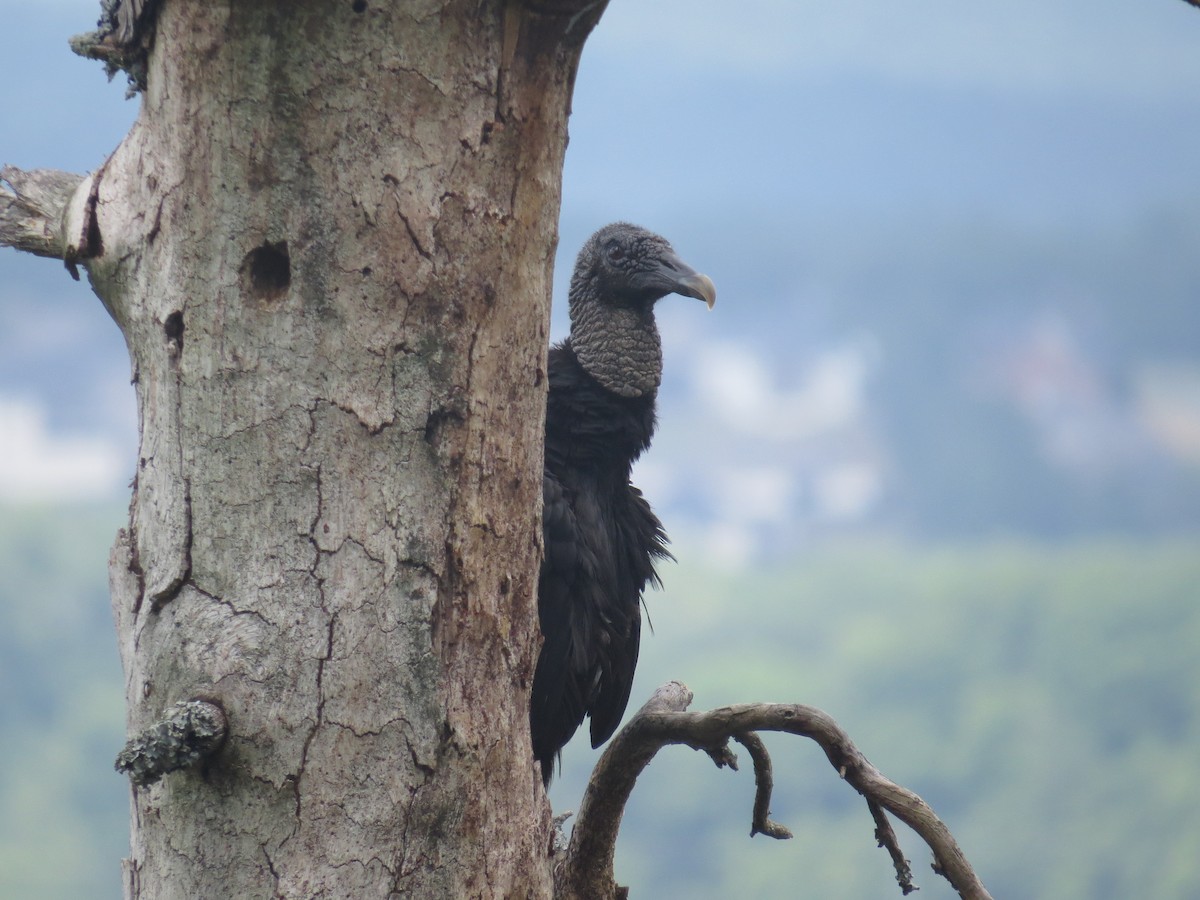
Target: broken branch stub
<point x="191" y="732"/>
<point x="32" y="206"/>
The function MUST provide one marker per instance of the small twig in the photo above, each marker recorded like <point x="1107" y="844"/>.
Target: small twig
<point x="190" y="733"/>
<point x="722" y="757"/>
<point x="587" y="869"/>
<point x="764" y="783"/>
<point x="886" y="836"/>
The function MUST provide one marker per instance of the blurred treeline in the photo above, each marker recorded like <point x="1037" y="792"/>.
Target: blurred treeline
<point x="1044" y="698"/>
<point x="64" y="812"/>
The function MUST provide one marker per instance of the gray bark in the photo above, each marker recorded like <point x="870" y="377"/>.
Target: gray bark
<point x="328" y="243"/>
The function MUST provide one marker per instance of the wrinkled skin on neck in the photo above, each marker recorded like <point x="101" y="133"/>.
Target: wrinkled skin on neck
<point x="619" y="346"/>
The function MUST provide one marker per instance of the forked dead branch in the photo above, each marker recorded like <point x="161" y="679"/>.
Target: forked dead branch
<point x="586" y="870"/>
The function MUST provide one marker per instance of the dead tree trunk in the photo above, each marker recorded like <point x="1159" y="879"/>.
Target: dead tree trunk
<point x="328" y="243"/>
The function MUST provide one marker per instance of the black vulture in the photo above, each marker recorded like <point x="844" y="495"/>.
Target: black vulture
<point x="601" y="537"/>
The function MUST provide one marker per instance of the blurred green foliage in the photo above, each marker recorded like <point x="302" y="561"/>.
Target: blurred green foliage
<point x="63" y="810"/>
<point x="1045" y="699"/>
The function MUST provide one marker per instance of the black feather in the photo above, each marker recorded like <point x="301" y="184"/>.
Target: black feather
<point x="601" y="537"/>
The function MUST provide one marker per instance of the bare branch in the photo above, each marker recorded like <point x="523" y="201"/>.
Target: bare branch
<point x="189" y="734"/>
<point x="31" y="209"/>
<point x="51" y="213"/>
<point x="886" y="836"/>
<point x="587" y="870"/>
<point x="764" y="783"/>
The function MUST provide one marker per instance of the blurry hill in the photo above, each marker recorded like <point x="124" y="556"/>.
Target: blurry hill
<point x="950" y="378"/>
<point x="1046" y="701"/>
<point x="64" y="812"/>
<point x="959" y="286"/>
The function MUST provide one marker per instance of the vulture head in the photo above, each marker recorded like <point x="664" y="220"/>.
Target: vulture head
<point x="620" y="273"/>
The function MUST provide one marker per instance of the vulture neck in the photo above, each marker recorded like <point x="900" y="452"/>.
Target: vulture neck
<point x="618" y="346"/>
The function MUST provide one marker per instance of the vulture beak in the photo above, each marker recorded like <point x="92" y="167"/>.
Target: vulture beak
<point x="680" y="278"/>
<point x="699" y="286"/>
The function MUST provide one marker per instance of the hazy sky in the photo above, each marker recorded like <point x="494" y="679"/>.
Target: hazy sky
<point x="691" y="116"/>
<point x="1068" y="48"/>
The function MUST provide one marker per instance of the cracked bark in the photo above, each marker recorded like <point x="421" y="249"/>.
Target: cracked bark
<point x="328" y="243"/>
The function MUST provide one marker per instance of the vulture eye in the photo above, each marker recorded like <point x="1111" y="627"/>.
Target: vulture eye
<point x="616" y="252"/>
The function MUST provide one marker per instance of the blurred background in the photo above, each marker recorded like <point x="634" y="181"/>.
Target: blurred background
<point x="932" y="463"/>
